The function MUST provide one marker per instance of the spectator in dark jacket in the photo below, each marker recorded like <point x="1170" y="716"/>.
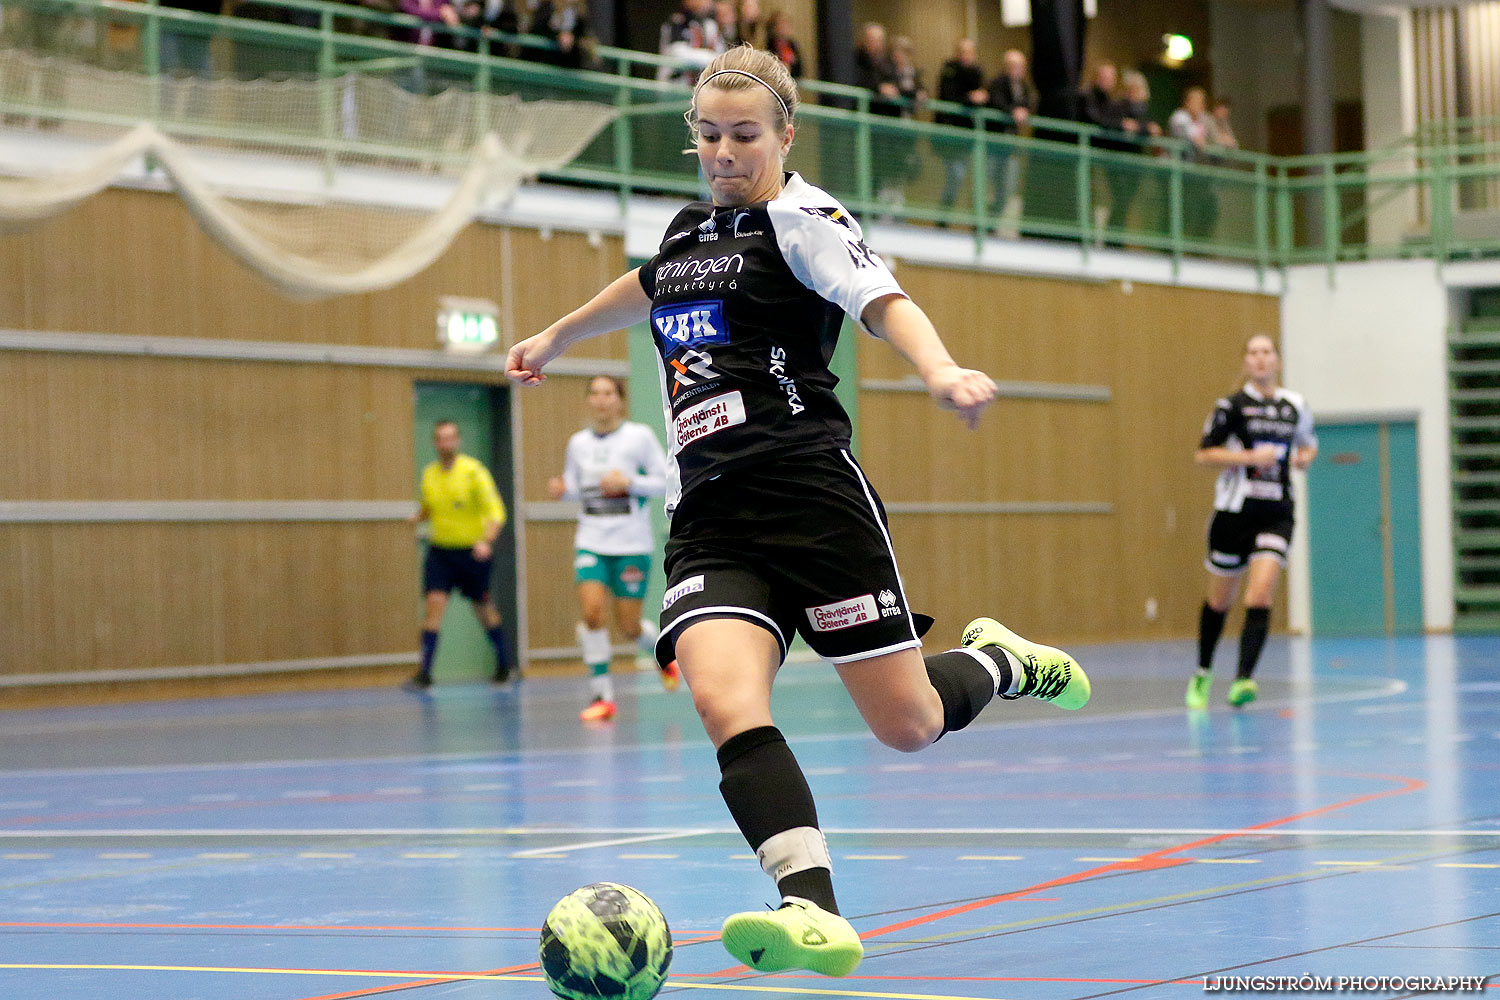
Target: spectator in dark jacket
<point x="961" y="82"/>
<point x="1012" y="95"/>
<point x="691" y="36"/>
<point x="1125" y="179"/>
<point x="564" y="23"/>
<point x="779" y="40"/>
<point x="490" y="17"/>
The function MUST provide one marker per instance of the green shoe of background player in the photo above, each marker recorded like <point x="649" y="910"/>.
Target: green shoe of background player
<point x="1243" y="691"/>
<point x="1197" y="692"/>
<point x="800" y="935"/>
<point x="1051" y="674"/>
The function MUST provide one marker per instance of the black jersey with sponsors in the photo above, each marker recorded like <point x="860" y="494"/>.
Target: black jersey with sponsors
<point x="746" y="307"/>
<point x="1246" y="420"/>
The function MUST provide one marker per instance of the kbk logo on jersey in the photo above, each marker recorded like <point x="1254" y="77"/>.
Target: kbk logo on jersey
<point x="688" y="324"/>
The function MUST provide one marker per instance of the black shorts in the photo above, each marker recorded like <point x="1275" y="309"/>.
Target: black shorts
<point x="456" y="569"/>
<point x="793" y="545"/>
<point x="1236" y="537"/>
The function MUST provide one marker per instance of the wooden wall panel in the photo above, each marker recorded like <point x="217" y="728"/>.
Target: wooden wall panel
<point x="551" y="594"/>
<point x="94" y="597"/>
<point x="123" y="596"/>
<point x="111" y="428"/>
<point x="135" y="262"/>
<point x="1165" y="353"/>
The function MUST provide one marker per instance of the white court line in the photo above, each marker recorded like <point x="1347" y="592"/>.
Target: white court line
<point x="639" y="834"/>
<point x="1383" y="688"/>
<point x="616" y="842"/>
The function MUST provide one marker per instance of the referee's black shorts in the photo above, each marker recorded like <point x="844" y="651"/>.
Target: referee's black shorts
<point x="1236" y="537"/>
<point x="456" y="569"/>
<point x="794" y="545"/>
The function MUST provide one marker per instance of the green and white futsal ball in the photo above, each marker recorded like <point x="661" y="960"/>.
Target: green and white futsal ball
<point x="606" y="940"/>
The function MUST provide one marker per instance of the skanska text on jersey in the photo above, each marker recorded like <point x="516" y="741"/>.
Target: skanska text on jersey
<point x="788" y="385"/>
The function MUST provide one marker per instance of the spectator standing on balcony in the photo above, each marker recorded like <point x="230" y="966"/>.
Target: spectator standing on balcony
<point x="690" y="35"/>
<point x="1011" y="94"/>
<point x="565" y="23"/>
<point x="782" y="45"/>
<point x="727" y="14"/>
<point x="489" y="18"/>
<point x="1139" y="129"/>
<point x="872" y="64"/>
<point x="894" y="156"/>
<point x="1222" y="133"/>
<point x="752" y="24"/>
<point x="1194" y="125"/>
<point x="961" y="82"/>
<point x="436" y="16"/>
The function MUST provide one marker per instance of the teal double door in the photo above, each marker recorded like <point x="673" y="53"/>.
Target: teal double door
<point x="1364" y="530"/>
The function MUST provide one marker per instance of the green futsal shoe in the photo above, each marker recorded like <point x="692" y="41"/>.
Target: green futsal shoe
<point x="1051" y="674"/>
<point x="1197" y="692"/>
<point x="799" y="935"/>
<point x="1243" y="691"/>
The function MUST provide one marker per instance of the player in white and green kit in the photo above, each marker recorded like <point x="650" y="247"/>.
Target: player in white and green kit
<point x="611" y="468"/>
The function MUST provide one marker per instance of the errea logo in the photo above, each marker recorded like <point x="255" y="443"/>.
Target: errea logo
<point x="890" y="605"/>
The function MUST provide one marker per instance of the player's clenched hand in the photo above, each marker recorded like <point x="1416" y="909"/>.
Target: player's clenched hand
<point x="525" y="361"/>
<point x="963" y="390"/>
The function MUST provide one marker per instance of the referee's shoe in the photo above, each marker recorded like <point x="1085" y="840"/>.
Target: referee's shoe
<point x="1047" y="673"/>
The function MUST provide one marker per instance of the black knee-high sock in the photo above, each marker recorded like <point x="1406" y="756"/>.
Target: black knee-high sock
<point x="767" y="794"/>
<point x="965" y="685"/>
<point x="1210" y="627"/>
<point x="1253" y="638"/>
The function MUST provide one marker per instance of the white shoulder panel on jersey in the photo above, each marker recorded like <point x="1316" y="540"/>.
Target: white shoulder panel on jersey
<point x="824" y="247"/>
<point x="1305" y="436"/>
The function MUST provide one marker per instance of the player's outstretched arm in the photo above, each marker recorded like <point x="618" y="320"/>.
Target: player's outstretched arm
<point x="902" y="323"/>
<point x="622" y="303"/>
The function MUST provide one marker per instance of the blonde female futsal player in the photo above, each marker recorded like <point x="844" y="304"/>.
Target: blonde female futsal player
<point x="775" y="529"/>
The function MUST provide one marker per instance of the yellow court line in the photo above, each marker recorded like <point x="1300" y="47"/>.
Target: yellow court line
<point x="467" y="977"/>
<point x="1455" y="864"/>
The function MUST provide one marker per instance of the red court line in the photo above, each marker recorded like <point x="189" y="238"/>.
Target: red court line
<point x="1146" y="862"/>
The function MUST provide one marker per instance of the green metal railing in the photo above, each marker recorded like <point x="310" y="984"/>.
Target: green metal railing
<point x="1060" y="180"/>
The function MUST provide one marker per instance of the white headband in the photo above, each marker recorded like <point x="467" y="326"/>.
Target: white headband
<point x="739" y="72"/>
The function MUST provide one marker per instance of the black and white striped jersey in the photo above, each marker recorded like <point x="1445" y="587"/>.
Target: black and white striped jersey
<point x="746" y="308"/>
<point x="1242" y="422"/>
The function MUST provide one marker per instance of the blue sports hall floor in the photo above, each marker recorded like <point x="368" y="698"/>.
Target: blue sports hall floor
<point x="354" y="844"/>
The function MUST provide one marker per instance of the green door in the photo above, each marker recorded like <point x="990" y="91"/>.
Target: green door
<point x="1364" y="531"/>
<point x="482" y="415"/>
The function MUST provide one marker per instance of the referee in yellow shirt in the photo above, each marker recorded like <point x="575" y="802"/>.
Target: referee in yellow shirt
<point x="460" y="499"/>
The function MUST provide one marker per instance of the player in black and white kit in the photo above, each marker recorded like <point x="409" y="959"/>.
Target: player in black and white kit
<point x="774" y="529"/>
<point x="1256" y="436"/>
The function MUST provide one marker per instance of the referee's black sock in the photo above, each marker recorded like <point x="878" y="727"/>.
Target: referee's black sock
<point x="502" y="652"/>
<point x="1253" y="639"/>
<point x="1210" y="627"/>
<point x="768" y="797"/>
<point x="965" y="684"/>
<point x="429" y="649"/>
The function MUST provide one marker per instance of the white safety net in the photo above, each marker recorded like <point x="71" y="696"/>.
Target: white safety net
<point x="323" y="186"/>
